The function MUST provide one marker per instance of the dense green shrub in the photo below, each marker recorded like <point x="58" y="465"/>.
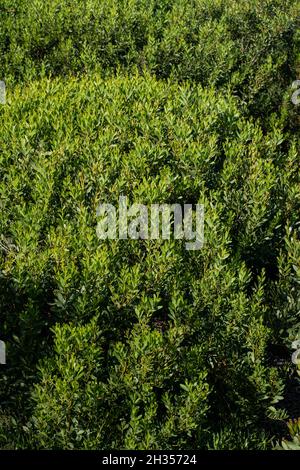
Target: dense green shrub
<point x="294" y="431"/>
<point x="142" y="344"/>
<point x="249" y="46"/>
<point x="153" y="346"/>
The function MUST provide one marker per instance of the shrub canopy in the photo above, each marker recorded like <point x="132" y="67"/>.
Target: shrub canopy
<point x="134" y="344"/>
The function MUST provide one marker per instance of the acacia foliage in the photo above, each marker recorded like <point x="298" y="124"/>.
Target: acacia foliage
<point x="141" y="344"/>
